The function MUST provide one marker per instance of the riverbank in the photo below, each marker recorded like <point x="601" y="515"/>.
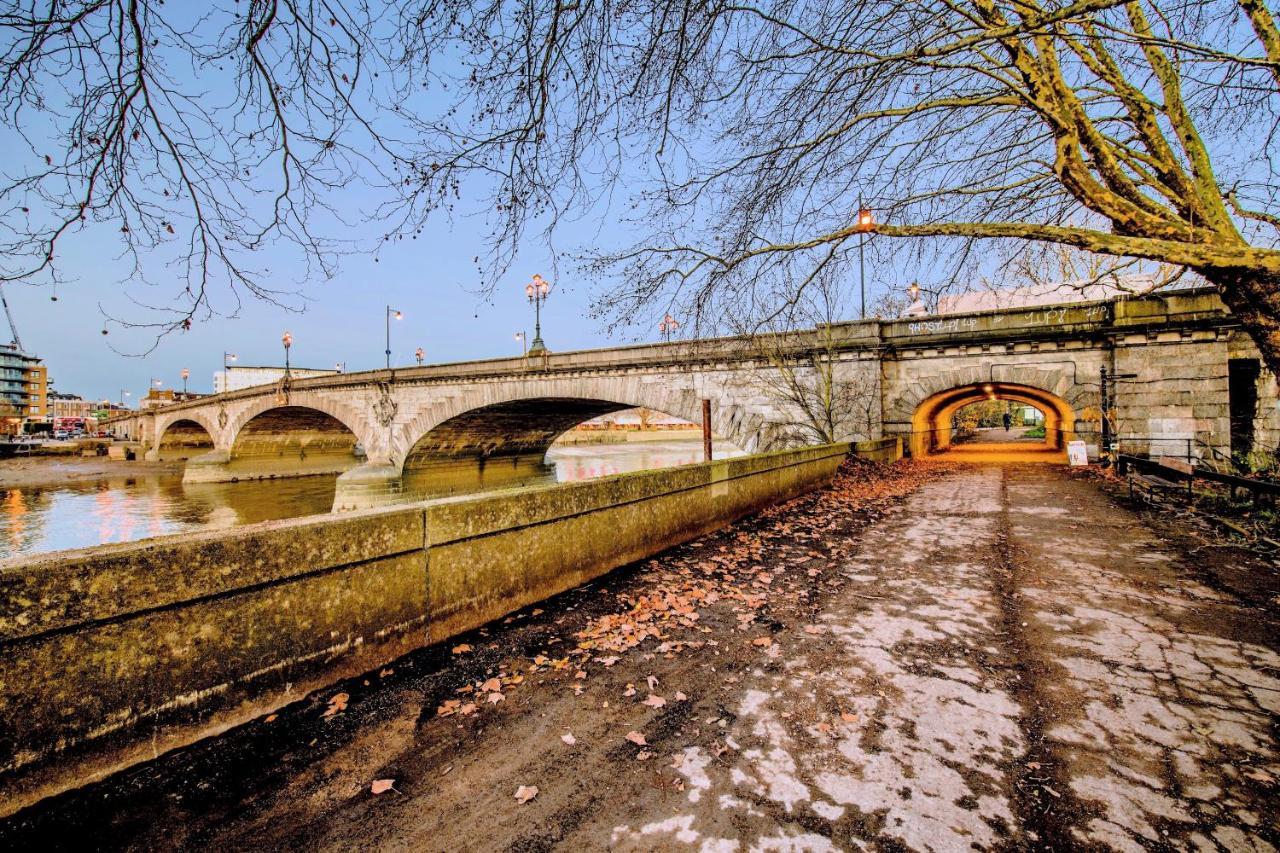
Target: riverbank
<point x="59" y="470"/>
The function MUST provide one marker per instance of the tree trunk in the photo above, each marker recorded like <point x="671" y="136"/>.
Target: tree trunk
<point x="1255" y="302"/>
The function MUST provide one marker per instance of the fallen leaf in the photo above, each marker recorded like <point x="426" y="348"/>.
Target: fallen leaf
<point x="386" y="672"/>
<point x="644" y="755"/>
<point x="271" y="718"/>
<point x="569" y="738"/>
<point x="763" y="642"/>
<point x="608" y="661"/>
<point x="495" y="698"/>
<point x="680" y="697"/>
<point x="468" y="709"/>
<point x="654" y="701"/>
<point x="381" y="786"/>
<point x="491" y="686"/>
<point x="652" y="681"/>
<point x="525" y="793"/>
<point x="637" y="739"/>
<point x="630" y="691"/>
<point x="813" y="629"/>
<point x="337" y="704"/>
<point x="847" y="717"/>
<point x="462" y="649"/>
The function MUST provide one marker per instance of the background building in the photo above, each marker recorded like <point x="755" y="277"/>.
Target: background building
<point x="24" y="388"/>
<point x="235" y="378"/>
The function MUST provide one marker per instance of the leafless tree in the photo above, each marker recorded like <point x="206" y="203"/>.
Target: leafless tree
<point x="821" y="393"/>
<point x="747" y="134"/>
<point x="736" y="139"/>
<point x="198" y="133"/>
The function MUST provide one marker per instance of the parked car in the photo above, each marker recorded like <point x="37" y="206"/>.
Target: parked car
<point x="60" y="435"/>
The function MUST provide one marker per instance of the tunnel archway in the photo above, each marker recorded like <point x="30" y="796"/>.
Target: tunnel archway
<point x="293" y="441"/>
<point x="931" y="425"/>
<point x="183" y="439"/>
<point x="501" y="444"/>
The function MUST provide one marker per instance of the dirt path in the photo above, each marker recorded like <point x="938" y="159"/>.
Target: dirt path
<point x="1008" y="660"/>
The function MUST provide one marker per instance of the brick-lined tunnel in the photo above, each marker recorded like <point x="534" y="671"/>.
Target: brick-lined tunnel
<point x="931" y="427"/>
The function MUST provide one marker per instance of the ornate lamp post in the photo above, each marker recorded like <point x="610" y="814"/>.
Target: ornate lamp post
<point x="419" y="353"/>
<point x="391" y="313"/>
<point x="865" y="223"/>
<point x="186" y="374"/>
<point x="287" y="340"/>
<point x="916" y="309"/>
<point x="524" y="343"/>
<point x="537" y="291"/>
<point x="667" y="326"/>
<point x="226" y="357"/>
<point x="340" y="366"/>
<point x="123" y="394"/>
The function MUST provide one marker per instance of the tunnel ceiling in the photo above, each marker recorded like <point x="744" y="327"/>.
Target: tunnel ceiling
<point x="518" y="427"/>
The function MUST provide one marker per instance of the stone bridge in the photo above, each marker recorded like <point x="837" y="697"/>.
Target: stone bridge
<point x="1196" y="379"/>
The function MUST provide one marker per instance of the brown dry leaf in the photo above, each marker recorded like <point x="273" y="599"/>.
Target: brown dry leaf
<point x="381" y="786"/>
<point x="468" y="709"/>
<point x="495" y="698"/>
<point x="568" y="738"/>
<point x="271" y="718"/>
<point x="462" y="648"/>
<point x="525" y="793"/>
<point x="813" y="629"/>
<point x="847" y="717"/>
<point x="680" y="697"/>
<point x="637" y="739"/>
<point x="652" y="681"/>
<point x="337" y="704"/>
<point x="383" y="673"/>
<point x="630" y="690"/>
<point x="763" y="642"/>
<point x="492" y="685"/>
<point x="654" y="701"/>
<point x="644" y="755"/>
<point x="608" y="661"/>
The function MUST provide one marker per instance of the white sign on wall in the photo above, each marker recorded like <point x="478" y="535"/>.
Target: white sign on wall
<point x="1076" y="453"/>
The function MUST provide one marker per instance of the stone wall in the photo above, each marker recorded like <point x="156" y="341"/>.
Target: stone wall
<point x="111" y="654"/>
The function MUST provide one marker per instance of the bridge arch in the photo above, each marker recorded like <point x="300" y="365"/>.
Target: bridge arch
<point x="534" y="411"/>
<point x="289" y="439"/>
<point x="931" y="423"/>
<point x="184" y="438"/>
<point x="927" y="403"/>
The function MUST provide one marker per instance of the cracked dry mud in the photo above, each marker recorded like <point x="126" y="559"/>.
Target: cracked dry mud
<point x="1009" y="660"/>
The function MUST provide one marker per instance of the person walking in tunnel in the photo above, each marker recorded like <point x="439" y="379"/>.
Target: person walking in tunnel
<point x="1008" y="421"/>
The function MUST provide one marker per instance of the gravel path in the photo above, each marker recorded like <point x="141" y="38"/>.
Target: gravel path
<point x="1006" y="660"/>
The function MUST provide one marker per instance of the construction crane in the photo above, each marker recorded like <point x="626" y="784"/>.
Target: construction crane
<point x="9" y="316"/>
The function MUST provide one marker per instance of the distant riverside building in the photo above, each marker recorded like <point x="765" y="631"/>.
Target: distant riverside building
<point x="24" y="388"/>
<point x="237" y="377"/>
<point x="70" y="406"/>
<point x="165" y="396"/>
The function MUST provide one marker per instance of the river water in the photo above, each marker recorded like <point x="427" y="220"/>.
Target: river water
<point x="80" y="514"/>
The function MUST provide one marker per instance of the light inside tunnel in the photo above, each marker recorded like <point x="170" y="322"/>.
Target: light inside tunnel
<point x="934" y="423"/>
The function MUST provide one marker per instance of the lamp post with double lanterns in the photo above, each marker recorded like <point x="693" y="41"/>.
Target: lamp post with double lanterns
<point x="667" y="326"/>
<point x="186" y="374"/>
<point x="524" y="343"/>
<point x="419" y="354"/>
<point x="391" y="312"/>
<point x="864" y="224"/>
<point x="537" y="291"/>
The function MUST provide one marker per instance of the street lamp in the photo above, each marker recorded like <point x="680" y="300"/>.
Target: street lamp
<point x="185" y="375"/>
<point x="287" y="340"/>
<point x="227" y="356"/>
<point x="865" y="223"/>
<point x="418" y="354"/>
<point x="667" y="326"/>
<point x="123" y="394"/>
<point x="340" y="366"/>
<point x="524" y="343"/>
<point x="537" y="291"/>
<point x="398" y="316"/>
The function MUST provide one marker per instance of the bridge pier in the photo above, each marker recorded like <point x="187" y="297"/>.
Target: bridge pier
<point x="211" y="467"/>
<point x="369" y="485"/>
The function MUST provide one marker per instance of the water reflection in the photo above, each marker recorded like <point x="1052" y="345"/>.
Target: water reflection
<point x="122" y="509"/>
